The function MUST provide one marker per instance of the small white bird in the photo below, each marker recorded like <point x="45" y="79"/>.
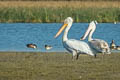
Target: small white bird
<point x="74" y="46"/>
<point x="117" y="47"/>
<point x="97" y="45"/>
<point x="115" y="22"/>
<point x="48" y="47"/>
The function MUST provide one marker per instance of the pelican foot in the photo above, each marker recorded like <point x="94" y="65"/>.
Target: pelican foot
<point x="77" y="56"/>
<point x="95" y="55"/>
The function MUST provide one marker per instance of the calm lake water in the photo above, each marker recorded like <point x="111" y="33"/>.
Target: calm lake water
<point x="15" y="36"/>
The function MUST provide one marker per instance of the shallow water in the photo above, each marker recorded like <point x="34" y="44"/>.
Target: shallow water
<point x="15" y="36"/>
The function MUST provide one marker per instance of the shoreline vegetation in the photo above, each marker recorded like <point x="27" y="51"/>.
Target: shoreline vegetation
<point x="58" y="66"/>
<point x="57" y="11"/>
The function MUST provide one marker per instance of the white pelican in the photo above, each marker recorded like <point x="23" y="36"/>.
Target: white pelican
<point x="31" y="46"/>
<point x="96" y="44"/>
<point x="74" y="46"/>
<point x="48" y="47"/>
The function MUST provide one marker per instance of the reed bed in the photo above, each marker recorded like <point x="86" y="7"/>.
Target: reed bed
<point x="57" y="11"/>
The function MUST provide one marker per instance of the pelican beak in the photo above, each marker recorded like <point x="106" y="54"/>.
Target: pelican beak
<point x="60" y="30"/>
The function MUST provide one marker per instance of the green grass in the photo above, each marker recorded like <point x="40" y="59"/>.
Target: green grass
<point x="57" y="11"/>
<point x="57" y="66"/>
<point x="36" y="14"/>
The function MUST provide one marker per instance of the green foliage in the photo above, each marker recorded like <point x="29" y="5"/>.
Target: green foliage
<point x="37" y="14"/>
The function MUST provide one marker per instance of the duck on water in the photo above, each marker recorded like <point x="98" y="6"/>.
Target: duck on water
<point x="113" y="46"/>
<point x="34" y="46"/>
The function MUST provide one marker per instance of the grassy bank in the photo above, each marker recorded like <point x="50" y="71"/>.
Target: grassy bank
<point x="55" y="66"/>
<point x="58" y="11"/>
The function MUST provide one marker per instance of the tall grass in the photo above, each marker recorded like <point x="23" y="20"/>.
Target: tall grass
<point x="50" y="13"/>
<point x="58" y="15"/>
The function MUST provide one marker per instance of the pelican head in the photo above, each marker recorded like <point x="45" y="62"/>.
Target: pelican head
<point x="68" y="20"/>
<point x="67" y="23"/>
<point x="90" y="30"/>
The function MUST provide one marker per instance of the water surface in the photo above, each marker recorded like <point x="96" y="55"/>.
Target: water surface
<point x="15" y="36"/>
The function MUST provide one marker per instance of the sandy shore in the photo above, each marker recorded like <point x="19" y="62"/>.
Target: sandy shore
<point x="57" y="66"/>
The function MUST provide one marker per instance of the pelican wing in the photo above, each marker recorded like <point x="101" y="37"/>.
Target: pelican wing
<point x="79" y="46"/>
<point x="99" y="45"/>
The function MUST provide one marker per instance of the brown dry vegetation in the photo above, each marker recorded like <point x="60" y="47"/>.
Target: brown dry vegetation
<point x="60" y="4"/>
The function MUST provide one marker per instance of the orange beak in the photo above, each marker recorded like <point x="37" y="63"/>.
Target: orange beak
<point x="60" y="30"/>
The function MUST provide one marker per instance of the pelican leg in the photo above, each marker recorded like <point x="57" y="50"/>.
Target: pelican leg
<point x="108" y="51"/>
<point x="104" y="51"/>
<point x="103" y="55"/>
<point x="75" y="55"/>
<point x="95" y="55"/>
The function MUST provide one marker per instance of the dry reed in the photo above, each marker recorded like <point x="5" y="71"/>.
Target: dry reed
<point x="60" y="4"/>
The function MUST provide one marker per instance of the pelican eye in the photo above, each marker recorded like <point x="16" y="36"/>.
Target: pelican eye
<point x="66" y="21"/>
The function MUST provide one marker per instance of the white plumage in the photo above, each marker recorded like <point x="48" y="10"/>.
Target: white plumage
<point x="74" y="46"/>
<point x="79" y="46"/>
<point x="97" y="45"/>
